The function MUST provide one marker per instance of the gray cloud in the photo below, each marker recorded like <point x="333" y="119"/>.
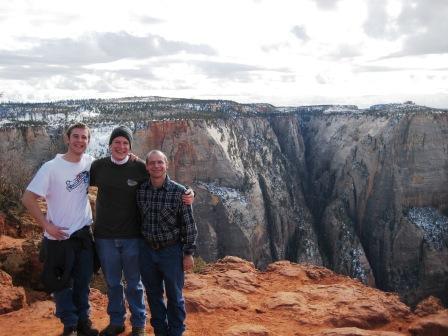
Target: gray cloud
<point x="234" y="71"/>
<point x="422" y="25"/>
<point x="8" y="58"/>
<point x="274" y="47"/>
<point x="300" y="33"/>
<point x="382" y="68"/>
<point x="68" y="57"/>
<point x="378" y="23"/>
<point x="346" y="51"/>
<point x="377" y="68"/>
<point x="122" y="45"/>
<point x="326" y="4"/>
<point x="142" y="73"/>
<point x="70" y="76"/>
<point x="103" y="86"/>
<point x="149" y="20"/>
<point x="288" y="78"/>
<point x="71" y="83"/>
<point x="99" y="48"/>
<point x="19" y="72"/>
<point x="320" y="79"/>
<point x="426" y="25"/>
<point x="422" y="44"/>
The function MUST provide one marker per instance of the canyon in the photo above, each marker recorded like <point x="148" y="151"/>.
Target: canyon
<point x="363" y="192"/>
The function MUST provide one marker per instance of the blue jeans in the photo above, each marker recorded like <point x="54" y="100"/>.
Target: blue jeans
<point x="163" y="269"/>
<point x="119" y="257"/>
<point x="72" y="303"/>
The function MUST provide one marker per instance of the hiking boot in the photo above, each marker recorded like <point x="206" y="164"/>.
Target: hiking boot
<point x="85" y="328"/>
<point x="70" y="331"/>
<point x="158" y="333"/>
<point x="138" y="331"/>
<point x="112" y="330"/>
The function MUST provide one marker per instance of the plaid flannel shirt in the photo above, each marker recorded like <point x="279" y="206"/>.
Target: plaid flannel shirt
<point x="164" y="216"/>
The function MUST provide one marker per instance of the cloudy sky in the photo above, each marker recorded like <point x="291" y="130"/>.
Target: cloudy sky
<point x="283" y="52"/>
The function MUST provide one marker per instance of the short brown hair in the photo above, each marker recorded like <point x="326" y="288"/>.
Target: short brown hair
<point x="156" y="151"/>
<point x="77" y="125"/>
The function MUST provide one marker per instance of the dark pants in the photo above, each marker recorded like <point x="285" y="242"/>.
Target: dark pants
<point x="72" y="303"/>
<point x="162" y="271"/>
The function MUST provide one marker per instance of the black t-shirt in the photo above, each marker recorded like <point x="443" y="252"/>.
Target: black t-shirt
<point x="117" y="215"/>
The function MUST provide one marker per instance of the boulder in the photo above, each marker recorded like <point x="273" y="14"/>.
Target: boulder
<point x="11" y="298"/>
<point x="208" y="299"/>
<point x="432" y="325"/>
<point x="428" y="306"/>
<point x="247" y="329"/>
<point x="355" y="332"/>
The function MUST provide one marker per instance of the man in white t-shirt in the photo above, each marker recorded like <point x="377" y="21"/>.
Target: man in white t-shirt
<point x="64" y="182"/>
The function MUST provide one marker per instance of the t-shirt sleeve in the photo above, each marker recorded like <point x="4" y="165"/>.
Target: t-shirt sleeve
<point x="41" y="181"/>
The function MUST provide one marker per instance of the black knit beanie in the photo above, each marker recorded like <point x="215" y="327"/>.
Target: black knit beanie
<point x="121" y="131"/>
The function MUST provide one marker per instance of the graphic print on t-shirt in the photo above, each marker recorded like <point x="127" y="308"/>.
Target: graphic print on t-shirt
<point x="82" y="177"/>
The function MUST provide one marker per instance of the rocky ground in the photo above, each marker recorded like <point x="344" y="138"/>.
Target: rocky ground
<point x="232" y="298"/>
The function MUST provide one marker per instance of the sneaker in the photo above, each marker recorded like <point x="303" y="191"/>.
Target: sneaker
<point x="85" y="328"/>
<point x="70" y="331"/>
<point x="112" y="330"/>
<point x="138" y="331"/>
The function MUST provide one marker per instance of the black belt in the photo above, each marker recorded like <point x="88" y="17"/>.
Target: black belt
<point x="161" y="245"/>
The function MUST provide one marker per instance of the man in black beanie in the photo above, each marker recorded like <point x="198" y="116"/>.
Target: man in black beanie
<point x="117" y="231"/>
<point x="122" y="131"/>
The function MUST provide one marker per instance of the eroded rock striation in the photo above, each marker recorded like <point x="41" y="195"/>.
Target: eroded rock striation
<point x="232" y="298"/>
<point x="363" y="192"/>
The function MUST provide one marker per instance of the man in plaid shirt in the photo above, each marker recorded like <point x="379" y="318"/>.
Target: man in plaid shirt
<point x="169" y="232"/>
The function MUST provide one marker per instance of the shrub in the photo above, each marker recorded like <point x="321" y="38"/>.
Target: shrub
<point x="199" y="265"/>
<point x="14" y="177"/>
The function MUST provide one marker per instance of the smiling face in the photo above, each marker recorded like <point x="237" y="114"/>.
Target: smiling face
<point x="77" y="141"/>
<point x="119" y="148"/>
<point x="156" y="165"/>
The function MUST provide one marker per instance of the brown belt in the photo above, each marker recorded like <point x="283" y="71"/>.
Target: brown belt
<point x="161" y="245"/>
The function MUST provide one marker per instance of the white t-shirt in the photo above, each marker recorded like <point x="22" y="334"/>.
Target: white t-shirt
<point x="64" y="185"/>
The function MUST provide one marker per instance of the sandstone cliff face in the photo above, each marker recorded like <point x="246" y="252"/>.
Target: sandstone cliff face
<point x="30" y="145"/>
<point x="22" y="150"/>
<point x="248" y="174"/>
<point x="364" y="194"/>
<point x="381" y="188"/>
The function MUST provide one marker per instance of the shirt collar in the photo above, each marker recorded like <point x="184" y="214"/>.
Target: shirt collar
<point x="165" y="184"/>
<point x="120" y="162"/>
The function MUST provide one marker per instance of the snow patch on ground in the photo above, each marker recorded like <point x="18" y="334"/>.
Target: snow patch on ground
<point x="433" y="224"/>
<point x="89" y="113"/>
<point x="357" y="268"/>
<point x="342" y="109"/>
<point x="5" y="121"/>
<point x="99" y="140"/>
<point x="227" y="195"/>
